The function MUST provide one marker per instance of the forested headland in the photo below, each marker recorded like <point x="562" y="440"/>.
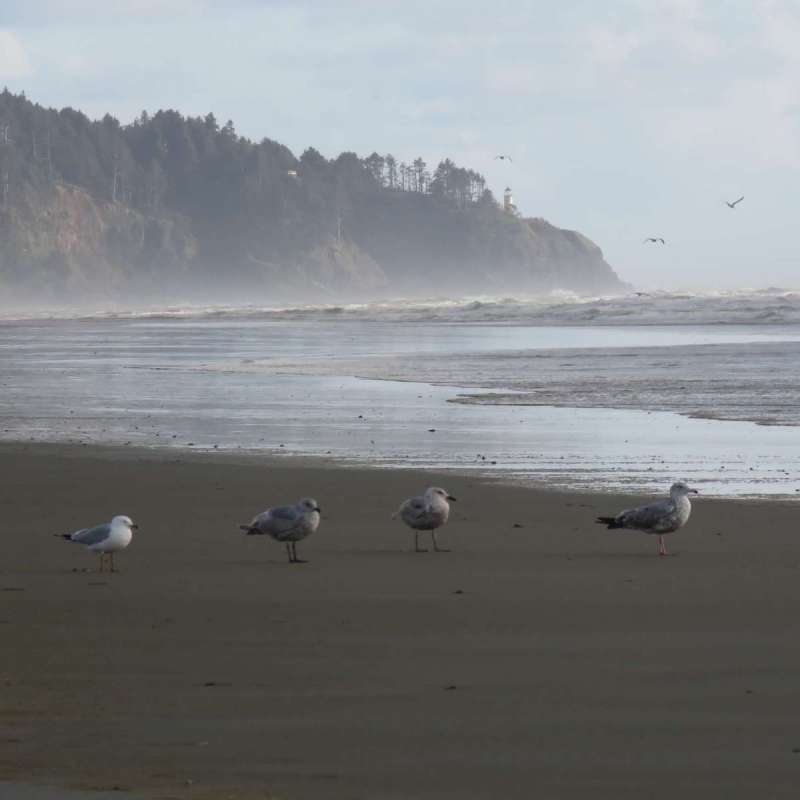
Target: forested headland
<point x="173" y="207"/>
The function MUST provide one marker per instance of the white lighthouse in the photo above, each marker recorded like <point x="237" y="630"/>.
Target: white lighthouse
<point x="508" y="202"/>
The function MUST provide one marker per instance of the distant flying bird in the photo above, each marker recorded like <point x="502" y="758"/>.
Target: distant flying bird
<point x="287" y="524"/>
<point x="654" y="239"/>
<point x="106" y="538"/>
<point x="734" y="203"/>
<point x="426" y="512"/>
<point x="658" y="518"/>
<point x="503" y="158"/>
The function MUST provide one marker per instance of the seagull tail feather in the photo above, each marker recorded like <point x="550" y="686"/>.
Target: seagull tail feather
<point x="611" y="522"/>
<point x="248" y="529"/>
<point x="67" y="536"/>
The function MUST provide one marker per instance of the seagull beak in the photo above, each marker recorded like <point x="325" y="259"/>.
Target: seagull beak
<point x="694" y="491"/>
<point x="451" y="498"/>
<point x="318" y="510"/>
<point x="135" y="527"/>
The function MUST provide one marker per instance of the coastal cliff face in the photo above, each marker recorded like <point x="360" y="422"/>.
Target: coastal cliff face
<point x="535" y="256"/>
<point x="566" y="259"/>
<point x="66" y="245"/>
<point x="172" y="208"/>
<point x="63" y="244"/>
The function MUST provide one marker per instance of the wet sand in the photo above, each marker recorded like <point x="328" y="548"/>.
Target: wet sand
<point x="553" y="660"/>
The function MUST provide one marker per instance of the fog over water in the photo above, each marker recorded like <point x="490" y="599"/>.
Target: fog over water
<point x="602" y="393"/>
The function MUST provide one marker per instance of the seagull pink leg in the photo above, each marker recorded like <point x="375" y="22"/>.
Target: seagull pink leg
<point x="662" y="551"/>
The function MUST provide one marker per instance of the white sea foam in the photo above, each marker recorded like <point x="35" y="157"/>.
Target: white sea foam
<point x="773" y="306"/>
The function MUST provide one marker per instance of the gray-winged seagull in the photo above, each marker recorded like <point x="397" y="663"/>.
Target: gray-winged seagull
<point x="658" y="519"/>
<point x="108" y="538"/>
<point x="426" y="512"/>
<point x="287" y="524"/>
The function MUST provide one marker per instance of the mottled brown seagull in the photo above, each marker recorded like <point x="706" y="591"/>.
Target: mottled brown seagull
<point x="426" y="512"/>
<point x="657" y="519"/>
<point x="287" y="524"/>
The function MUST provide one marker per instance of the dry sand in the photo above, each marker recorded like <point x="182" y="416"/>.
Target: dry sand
<point x="551" y="660"/>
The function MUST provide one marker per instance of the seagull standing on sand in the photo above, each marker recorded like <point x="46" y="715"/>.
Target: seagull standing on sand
<point x="107" y="538"/>
<point x="734" y="203"/>
<point x="658" y="519"/>
<point x="287" y="524"/>
<point x="426" y="512"/>
<point x="654" y="239"/>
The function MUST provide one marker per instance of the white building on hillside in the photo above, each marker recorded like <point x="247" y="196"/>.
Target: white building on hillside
<point x="508" y="202"/>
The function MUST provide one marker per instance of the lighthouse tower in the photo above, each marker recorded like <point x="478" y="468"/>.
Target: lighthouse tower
<point x="508" y="202"/>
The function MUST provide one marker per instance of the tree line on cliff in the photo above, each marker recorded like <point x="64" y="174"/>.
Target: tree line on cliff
<point x="195" y="166"/>
<point x="251" y="204"/>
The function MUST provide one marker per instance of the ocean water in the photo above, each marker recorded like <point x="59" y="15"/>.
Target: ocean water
<point x="601" y="393"/>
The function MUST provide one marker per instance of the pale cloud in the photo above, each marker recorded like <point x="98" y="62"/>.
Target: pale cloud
<point x="753" y="120"/>
<point x="649" y="48"/>
<point x="755" y="124"/>
<point x="780" y="29"/>
<point x="611" y="47"/>
<point x="87" y="12"/>
<point x="14" y="61"/>
<point x="671" y="38"/>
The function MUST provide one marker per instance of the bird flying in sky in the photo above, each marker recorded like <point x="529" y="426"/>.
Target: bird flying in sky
<point x="733" y="204"/>
<point x="654" y="239"/>
<point x="504" y="158"/>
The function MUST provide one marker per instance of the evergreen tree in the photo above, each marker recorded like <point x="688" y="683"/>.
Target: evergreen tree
<point x="391" y="171"/>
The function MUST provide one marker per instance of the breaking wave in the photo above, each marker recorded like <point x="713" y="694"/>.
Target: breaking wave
<point x="773" y="306"/>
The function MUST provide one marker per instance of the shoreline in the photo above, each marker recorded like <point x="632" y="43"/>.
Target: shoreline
<point x="277" y="457"/>
<point x="543" y="656"/>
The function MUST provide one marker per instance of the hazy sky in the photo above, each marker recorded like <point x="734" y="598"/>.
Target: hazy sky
<point x="624" y="118"/>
